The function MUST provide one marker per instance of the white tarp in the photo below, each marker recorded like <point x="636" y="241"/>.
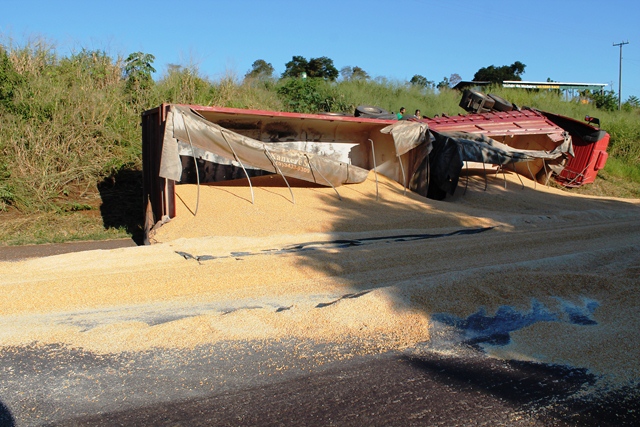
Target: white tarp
<point x="188" y="127"/>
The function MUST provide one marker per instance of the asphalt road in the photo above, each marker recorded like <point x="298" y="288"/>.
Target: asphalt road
<point x="16" y="253"/>
<point x="282" y="384"/>
<point x="293" y="383"/>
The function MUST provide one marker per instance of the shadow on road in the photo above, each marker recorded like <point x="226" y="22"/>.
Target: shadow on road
<point x="6" y="419"/>
<point x="122" y="205"/>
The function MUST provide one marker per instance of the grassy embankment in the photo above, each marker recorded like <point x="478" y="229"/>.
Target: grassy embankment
<point x="70" y="136"/>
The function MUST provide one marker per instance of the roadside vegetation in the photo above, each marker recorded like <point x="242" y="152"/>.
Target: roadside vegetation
<point x="70" y="136"/>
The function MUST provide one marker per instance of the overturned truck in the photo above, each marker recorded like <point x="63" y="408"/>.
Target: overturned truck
<point x="198" y="144"/>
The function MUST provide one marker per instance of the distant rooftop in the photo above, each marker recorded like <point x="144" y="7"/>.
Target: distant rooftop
<point x="594" y="87"/>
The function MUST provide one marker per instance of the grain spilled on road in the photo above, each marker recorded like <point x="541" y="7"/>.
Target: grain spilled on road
<point x="341" y="269"/>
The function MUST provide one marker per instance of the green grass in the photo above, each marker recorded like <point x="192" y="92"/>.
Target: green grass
<point x="620" y="168"/>
<point x="52" y="227"/>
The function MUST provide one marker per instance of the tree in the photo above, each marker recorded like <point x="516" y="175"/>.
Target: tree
<point x="418" y="80"/>
<point x="517" y="68"/>
<point x="323" y="68"/>
<point x="606" y="100"/>
<point x="295" y="67"/>
<point x="633" y="101"/>
<point x="137" y="71"/>
<point x="359" y="74"/>
<point x="454" y="79"/>
<point x="260" y="69"/>
<point x="314" y="68"/>
<point x="346" y="72"/>
<point x="495" y="74"/>
<point x="9" y="78"/>
<point x="444" y="84"/>
<point x="355" y="73"/>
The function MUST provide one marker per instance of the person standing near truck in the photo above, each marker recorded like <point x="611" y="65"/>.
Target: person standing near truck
<point x="401" y="113"/>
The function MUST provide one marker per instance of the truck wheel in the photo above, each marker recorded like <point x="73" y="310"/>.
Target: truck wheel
<point x="388" y="116"/>
<point x="500" y="104"/>
<point x="474" y="101"/>
<point x="370" y="110"/>
<point x="488" y="103"/>
<point x="328" y="113"/>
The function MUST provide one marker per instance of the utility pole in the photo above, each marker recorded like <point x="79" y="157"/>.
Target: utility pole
<point x="620" y="73"/>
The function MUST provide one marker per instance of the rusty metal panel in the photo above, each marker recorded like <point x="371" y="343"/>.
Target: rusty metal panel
<point x="158" y="193"/>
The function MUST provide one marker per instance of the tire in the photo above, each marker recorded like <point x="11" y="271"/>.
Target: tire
<point x="332" y="114"/>
<point x="501" y="104"/>
<point x="370" y="110"/>
<point x="488" y="103"/>
<point x="388" y="116"/>
<point x="473" y="101"/>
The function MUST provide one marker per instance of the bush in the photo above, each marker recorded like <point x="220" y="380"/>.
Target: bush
<point x="7" y="196"/>
<point x="311" y="95"/>
<point x="9" y="79"/>
<point x="605" y="101"/>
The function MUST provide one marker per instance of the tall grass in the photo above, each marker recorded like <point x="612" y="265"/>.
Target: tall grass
<point x="68" y="122"/>
<point x="65" y="125"/>
<point x="624" y="129"/>
<point x="391" y="95"/>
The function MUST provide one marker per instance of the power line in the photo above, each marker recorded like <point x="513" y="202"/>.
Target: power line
<point x="620" y="73"/>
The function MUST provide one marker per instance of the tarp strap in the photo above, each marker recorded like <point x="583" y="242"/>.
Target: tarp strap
<point x="375" y="172"/>
<point x="484" y="170"/>
<point x="195" y="160"/>
<point x="546" y="173"/>
<point x="517" y="174"/>
<point x="238" y="160"/>
<point x="484" y="173"/>
<point x="428" y="172"/>
<point x="270" y="157"/>
<point x="466" y="183"/>
<point x="580" y="174"/>
<point x="531" y="173"/>
<point x="323" y="177"/>
<point x="504" y="176"/>
<point x="404" y="178"/>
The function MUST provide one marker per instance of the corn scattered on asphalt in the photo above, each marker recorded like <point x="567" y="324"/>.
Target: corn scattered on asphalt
<point x="375" y="270"/>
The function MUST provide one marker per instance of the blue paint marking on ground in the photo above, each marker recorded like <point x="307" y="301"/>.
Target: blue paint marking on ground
<point x="580" y="315"/>
<point x="495" y="330"/>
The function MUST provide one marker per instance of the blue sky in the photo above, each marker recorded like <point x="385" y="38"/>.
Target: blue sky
<point x="565" y="40"/>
